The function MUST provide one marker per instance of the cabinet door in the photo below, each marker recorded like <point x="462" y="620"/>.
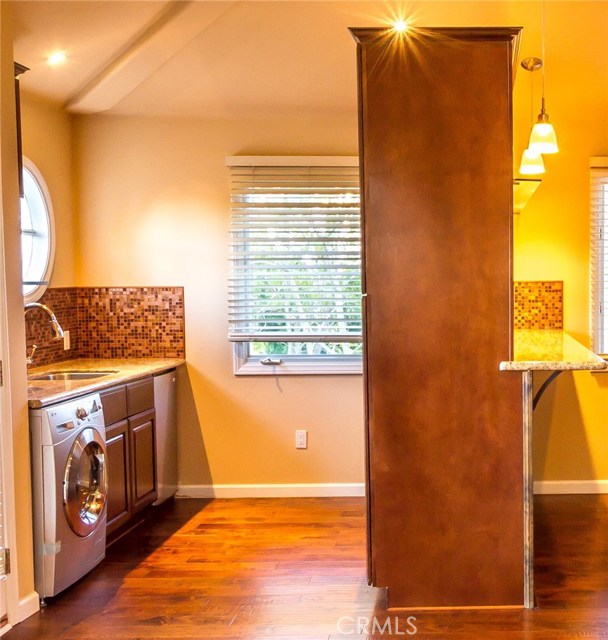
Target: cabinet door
<point x="119" y="490"/>
<point x="143" y="459"/>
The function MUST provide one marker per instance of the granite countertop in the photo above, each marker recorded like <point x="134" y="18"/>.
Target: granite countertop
<point x="550" y="350"/>
<point x="45" y="392"/>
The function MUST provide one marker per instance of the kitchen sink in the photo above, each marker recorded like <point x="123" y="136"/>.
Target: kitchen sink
<point x="70" y="375"/>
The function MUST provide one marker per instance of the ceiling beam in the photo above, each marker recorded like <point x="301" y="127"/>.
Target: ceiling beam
<point x="177" y="24"/>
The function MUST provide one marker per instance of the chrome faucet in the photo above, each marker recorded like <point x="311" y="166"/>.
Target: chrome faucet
<point x="56" y="329"/>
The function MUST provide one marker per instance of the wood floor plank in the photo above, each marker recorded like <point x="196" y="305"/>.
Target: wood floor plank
<point x="280" y="569"/>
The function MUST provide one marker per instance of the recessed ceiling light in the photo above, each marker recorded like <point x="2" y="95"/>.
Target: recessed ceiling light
<point x="56" y="58"/>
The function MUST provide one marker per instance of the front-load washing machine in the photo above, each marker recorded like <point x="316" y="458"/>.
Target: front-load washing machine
<point x="69" y="487"/>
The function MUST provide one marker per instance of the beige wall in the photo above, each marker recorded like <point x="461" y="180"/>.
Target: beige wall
<point x="154" y="209"/>
<point x="154" y="205"/>
<point x="47" y="142"/>
<point x="13" y="349"/>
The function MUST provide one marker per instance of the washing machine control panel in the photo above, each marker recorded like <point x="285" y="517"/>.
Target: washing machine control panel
<point x="69" y="415"/>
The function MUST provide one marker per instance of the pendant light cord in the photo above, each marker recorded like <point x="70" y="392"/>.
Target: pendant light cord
<point x="532" y="96"/>
<point x="542" y="34"/>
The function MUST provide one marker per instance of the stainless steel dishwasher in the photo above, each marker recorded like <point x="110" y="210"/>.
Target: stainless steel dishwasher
<point x="165" y="403"/>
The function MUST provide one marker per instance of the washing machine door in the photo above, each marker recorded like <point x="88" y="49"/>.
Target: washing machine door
<point x="85" y="486"/>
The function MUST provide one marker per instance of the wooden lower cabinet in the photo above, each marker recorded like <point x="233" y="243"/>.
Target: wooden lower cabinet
<point x="131" y="451"/>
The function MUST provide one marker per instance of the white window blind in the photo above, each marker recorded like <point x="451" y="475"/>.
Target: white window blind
<point x="599" y="254"/>
<point x="295" y="250"/>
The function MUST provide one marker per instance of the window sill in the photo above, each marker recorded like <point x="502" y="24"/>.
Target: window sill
<point x="298" y="367"/>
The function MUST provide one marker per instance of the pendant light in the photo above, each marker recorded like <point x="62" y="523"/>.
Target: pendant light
<point x="542" y="137"/>
<point x="532" y="163"/>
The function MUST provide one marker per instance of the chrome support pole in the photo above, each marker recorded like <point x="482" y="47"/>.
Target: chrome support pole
<point x="528" y="496"/>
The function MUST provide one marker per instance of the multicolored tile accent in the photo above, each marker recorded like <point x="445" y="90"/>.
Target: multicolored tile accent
<point x="110" y="322"/>
<point x="538" y="305"/>
<point x="131" y="322"/>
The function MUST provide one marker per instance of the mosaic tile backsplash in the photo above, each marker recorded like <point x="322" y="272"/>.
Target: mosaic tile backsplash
<point x="139" y="322"/>
<point x="131" y="322"/>
<point x="110" y="322"/>
<point x="63" y="302"/>
<point x="538" y="305"/>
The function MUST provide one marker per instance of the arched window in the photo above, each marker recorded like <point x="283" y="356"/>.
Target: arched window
<point x="37" y="233"/>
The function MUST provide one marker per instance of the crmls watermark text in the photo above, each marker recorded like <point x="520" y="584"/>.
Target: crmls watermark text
<point x="348" y="626"/>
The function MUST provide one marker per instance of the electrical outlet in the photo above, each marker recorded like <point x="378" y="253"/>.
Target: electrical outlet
<point x="66" y="340"/>
<point x="301" y="439"/>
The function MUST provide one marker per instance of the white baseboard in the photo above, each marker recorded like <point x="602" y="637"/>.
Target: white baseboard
<point x="28" y="606"/>
<point x="570" y="486"/>
<point x="355" y="489"/>
<point x="306" y="490"/>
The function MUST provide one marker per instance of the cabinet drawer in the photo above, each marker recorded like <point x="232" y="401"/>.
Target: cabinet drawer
<point x="114" y="402"/>
<point x="140" y="396"/>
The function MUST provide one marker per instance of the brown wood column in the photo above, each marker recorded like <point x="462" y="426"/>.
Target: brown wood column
<point x="444" y="425"/>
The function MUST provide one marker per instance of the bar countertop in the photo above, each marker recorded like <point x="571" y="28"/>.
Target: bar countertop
<point x="550" y="350"/>
<point x="45" y="392"/>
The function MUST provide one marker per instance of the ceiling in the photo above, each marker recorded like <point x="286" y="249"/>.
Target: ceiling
<point x="201" y="58"/>
<point x="249" y="58"/>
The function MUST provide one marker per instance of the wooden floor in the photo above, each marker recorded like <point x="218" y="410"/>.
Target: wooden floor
<point x="273" y="569"/>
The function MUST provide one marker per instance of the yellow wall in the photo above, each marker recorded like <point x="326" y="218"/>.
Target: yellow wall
<point x="552" y="234"/>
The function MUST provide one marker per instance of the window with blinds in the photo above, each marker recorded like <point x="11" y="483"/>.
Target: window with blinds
<point x="295" y="285"/>
<point x="599" y="254"/>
